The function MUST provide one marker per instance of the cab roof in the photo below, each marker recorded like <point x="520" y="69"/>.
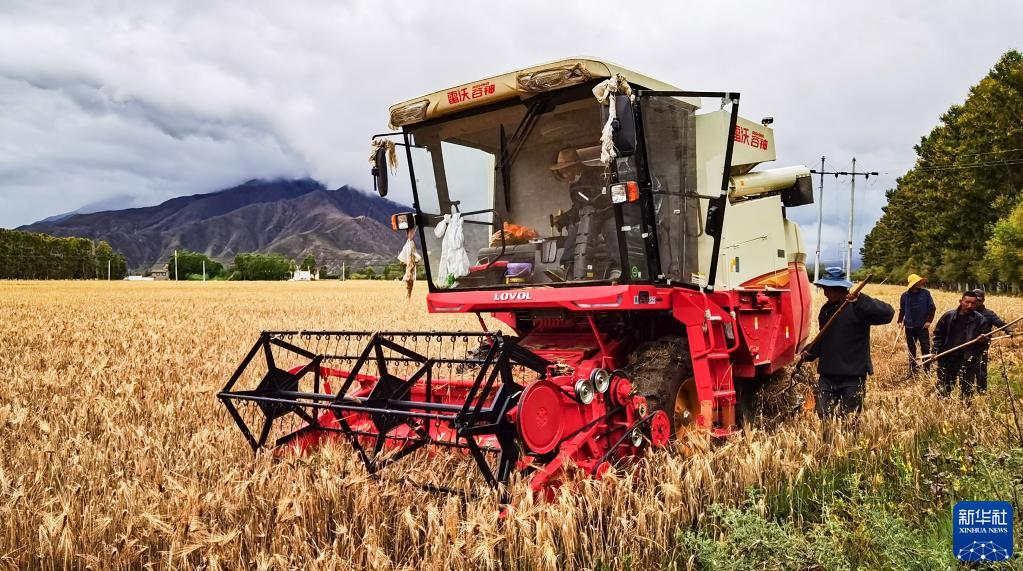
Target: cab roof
<point x="520" y="83"/>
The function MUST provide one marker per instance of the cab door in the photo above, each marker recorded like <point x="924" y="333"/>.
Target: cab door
<point x="679" y="212"/>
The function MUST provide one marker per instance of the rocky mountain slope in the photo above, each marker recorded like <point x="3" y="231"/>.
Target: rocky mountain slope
<point x="289" y="217"/>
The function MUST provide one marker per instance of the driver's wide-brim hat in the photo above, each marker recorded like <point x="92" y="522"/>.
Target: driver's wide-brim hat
<point x="566" y="158"/>
<point x="833" y="277"/>
<point x="914" y="279"/>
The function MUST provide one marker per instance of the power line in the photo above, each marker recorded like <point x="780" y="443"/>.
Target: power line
<point x="972" y="165"/>
<point x="957" y="155"/>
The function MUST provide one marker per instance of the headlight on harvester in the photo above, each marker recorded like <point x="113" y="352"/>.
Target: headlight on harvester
<point x="411" y="113"/>
<point x="601" y="379"/>
<point x="625" y="192"/>
<point x="637" y="437"/>
<point x="403" y="221"/>
<point x="584" y="391"/>
<point x="552" y="78"/>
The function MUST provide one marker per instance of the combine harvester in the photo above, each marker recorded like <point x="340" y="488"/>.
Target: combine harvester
<point x="682" y="290"/>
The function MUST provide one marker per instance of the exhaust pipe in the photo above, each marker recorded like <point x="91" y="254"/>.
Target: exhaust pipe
<point x="792" y="182"/>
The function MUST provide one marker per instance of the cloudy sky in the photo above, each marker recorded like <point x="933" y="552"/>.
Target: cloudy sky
<point x="133" y="102"/>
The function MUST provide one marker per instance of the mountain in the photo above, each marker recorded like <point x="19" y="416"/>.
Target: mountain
<point x="116" y="202"/>
<point x="287" y="217"/>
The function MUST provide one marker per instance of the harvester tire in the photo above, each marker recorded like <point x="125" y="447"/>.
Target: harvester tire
<point x="662" y="371"/>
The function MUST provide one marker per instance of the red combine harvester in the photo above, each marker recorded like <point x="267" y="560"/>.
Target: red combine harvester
<point x="616" y="225"/>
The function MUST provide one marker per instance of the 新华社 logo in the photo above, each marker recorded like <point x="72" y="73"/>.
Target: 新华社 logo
<point x="982" y="531"/>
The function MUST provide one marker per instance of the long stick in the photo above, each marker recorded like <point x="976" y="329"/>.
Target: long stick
<point x="981" y="337"/>
<point x="897" y="335"/>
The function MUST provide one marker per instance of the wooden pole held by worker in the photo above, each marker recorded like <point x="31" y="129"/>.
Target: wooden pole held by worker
<point x="980" y="337"/>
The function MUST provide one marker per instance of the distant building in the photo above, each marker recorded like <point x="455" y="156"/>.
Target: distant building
<point x="138" y="279"/>
<point x="304" y="276"/>
<point x="159" y="272"/>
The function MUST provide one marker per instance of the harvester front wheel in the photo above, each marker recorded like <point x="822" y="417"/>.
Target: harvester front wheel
<point x="662" y="371"/>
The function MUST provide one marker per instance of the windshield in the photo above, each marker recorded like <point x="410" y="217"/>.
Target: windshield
<point x="517" y="195"/>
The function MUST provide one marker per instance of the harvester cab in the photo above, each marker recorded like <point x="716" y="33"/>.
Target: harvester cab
<point x="647" y="275"/>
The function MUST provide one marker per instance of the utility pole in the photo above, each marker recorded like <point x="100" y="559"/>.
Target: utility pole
<point x="108" y="270"/>
<point x="204" y="271"/>
<point x="852" y="209"/>
<point x="852" y="213"/>
<point x="342" y="270"/>
<point x="820" y="217"/>
<point x="175" y="265"/>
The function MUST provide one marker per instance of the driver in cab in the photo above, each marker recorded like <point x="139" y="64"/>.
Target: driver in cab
<point x="590" y="204"/>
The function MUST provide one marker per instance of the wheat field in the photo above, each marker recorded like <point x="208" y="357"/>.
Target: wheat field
<point x="115" y="453"/>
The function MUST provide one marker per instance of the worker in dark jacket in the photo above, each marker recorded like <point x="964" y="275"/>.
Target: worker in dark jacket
<point x="993" y="322"/>
<point x="955" y="327"/>
<point x="844" y="349"/>
<point x="916" y="312"/>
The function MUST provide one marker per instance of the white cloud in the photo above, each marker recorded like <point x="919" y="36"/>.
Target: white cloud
<point x="161" y="99"/>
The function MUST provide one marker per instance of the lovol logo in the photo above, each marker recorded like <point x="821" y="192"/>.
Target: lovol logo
<point x="513" y="296"/>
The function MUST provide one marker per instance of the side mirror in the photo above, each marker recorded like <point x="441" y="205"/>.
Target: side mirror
<point x="379" y="171"/>
<point x="403" y="221"/>
<point x="624" y="126"/>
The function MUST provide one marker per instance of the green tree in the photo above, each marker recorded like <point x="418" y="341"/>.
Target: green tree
<point x="191" y="263"/>
<point x="394" y="270"/>
<point x="309" y="263"/>
<point x="252" y="266"/>
<point x="28" y="255"/>
<point x="108" y="259"/>
<point x="1003" y="260"/>
<point x="968" y="174"/>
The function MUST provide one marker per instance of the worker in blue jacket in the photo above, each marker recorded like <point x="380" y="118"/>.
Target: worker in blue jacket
<point x="844" y="349"/>
<point x="916" y="313"/>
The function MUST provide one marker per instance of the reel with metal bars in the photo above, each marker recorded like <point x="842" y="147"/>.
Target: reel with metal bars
<point x="389" y="400"/>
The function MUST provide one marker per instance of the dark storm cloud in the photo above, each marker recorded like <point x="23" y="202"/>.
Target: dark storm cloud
<point x="103" y="99"/>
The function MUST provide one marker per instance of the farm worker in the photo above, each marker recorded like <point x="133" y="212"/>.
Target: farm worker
<point x="916" y="312"/>
<point x="844" y="349"/>
<point x="955" y="327"/>
<point x="585" y="188"/>
<point x="993" y="321"/>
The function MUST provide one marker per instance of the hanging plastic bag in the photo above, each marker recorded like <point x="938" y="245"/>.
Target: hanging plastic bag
<point x="454" y="259"/>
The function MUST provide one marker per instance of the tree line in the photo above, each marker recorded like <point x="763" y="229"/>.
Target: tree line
<point x="957" y="215"/>
<point x="33" y="256"/>
<point x="252" y="266"/>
